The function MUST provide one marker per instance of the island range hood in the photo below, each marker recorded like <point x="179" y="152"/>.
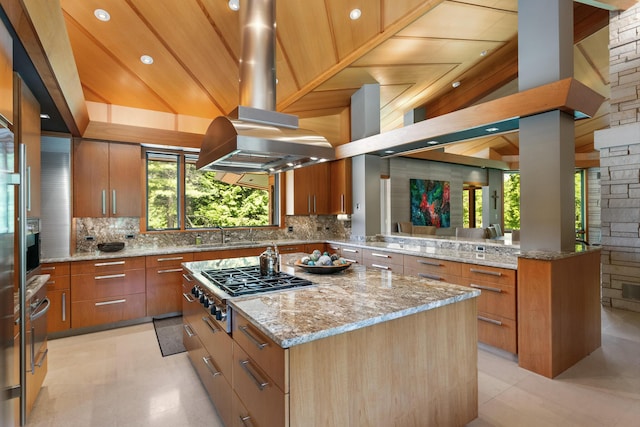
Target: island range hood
<point x="256" y="138"/>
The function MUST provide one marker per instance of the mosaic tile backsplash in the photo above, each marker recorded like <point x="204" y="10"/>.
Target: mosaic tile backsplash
<point x="100" y="230"/>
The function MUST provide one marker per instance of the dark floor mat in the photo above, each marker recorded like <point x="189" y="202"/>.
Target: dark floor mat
<point x="169" y="334"/>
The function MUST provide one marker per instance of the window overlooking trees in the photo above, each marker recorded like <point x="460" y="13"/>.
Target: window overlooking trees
<point x="472" y="207"/>
<point x="181" y="197"/>
<point x="512" y="201"/>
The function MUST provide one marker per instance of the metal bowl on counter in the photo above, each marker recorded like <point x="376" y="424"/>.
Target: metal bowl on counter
<point x="111" y="246"/>
<point x="322" y="269"/>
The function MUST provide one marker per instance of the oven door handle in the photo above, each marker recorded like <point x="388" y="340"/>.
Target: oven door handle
<point x="41" y="311"/>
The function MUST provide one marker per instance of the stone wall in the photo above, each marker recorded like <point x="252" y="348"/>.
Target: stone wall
<point x="620" y="167"/>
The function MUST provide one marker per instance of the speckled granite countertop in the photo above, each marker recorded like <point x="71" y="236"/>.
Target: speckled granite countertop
<point x="337" y="303"/>
<point x="33" y="286"/>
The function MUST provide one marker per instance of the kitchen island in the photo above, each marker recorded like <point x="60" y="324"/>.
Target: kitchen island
<point x="361" y="347"/>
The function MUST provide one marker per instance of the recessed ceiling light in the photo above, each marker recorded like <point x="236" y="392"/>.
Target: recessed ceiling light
<point x="44" y="116"/>
<point x="492" y="129"/>
<point x="455" y="84"/>
<point x="146" y="59"/>
<point x="389" y="151"/>
<point x="484" y="53"/>
<point x="102" y="15"/>
<point x="234" y="4"/>
<point x="355" y="14"/>
<point x="432" y="142"/>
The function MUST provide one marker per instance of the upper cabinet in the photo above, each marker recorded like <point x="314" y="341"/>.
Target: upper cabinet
<point x="27" y="131"/>
<point x="6" y="75"/>
<point x="340" y="186"/>
<point x="311" y="190"/>
<point x="107" y="179"/>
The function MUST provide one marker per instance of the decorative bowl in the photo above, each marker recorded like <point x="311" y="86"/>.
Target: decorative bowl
<point x="322" y="269"/>
<point x="111" y="246"/>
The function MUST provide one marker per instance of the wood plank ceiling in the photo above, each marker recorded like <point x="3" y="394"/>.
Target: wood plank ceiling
<point x="415" y="49"/>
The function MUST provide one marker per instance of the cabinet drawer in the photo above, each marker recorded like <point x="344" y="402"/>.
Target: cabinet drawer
<point x="439" y="276"/>
<point x="496" y="298"/>
<point x="432" y="265"/>
<point x="351" y="254"/>
<point x="264" y="402"/>
<point x="164" y="290"/>
<point x="107" y="310"/>
<point x="266" y="353"/>
<point x="497" y="331"/>
<point x="383" y="260"/>
<point x="287" y="249"/>
<point x="107" y="265"/>
<point x="93" y="286"/>
<point x="55" y="269"/>
<point x="58" y="283"/>
<point x="216" y="341"/>
<point x="491" y="274"/>
<point x="164" y="261"/>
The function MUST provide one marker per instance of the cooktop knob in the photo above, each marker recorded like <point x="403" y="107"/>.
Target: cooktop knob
<point x="213" y="309"/>
<point x="202" y="298"/>
<point x="206" y="302"/>
<point x="194" y="291"/>
<point x="220" y="315"/>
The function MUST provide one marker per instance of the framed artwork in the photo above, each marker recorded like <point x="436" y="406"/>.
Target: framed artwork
<point x="430" y="202"/>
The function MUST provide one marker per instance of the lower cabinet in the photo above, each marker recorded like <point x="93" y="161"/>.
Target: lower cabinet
<point x="383" y="260"/>
<point x="59" y="294"/>
<point x="107" y="291"/>
<point x="164" y="283"/>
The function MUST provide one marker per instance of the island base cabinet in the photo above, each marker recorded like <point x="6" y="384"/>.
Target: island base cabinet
<point x="410" y="371"/>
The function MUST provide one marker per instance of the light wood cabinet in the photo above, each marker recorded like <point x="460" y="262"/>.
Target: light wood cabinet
<point x="107" y="179"/>
<point x="164" y="283"/>
<point x="259" y="374"/>
<point x="6" y="75"/>
<point x="27" y="131"/>
<point x="497" y="311"/>
<point x="433" y="268"/>
<point x="383" y="260"/>
<point x="340" y="193"/>
<point x="311" y="190"/>
<point x="59" y="294"/>
<point x="107" y="291"/>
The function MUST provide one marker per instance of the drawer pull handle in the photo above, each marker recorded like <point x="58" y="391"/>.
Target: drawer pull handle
<point x="64" y="306"/>
<point x="186" y="277"/>
<point x="110" y="276"/>
<point x="51" y="282"/>
<point x="429" y="276"/>
<point x="246" y="421"/>
<point x="260" y="383"/>
<point x="189" y="331"/>
<point x="207" y="322"/>
<point x="434" y="264"/>
<point x="380" y="255"/>
<point x="48" y="268"/>
<point x="351" y="260"/>
<point x="486" y="288"/>
<point x="174" y="258"/>
<point x="104" y="264"/>
<point x="188" y="297"/>
<point x="211" y="366"/>
<point x="383" y="267"/>
<point x="116" y="301"/>
<point x="254" y="340"/>
<point x="353" y="251"/>
<point x="171" y="270"/>
<point x="486" y="319"/>
<point x="285" y="249"/>
<point x="490" y="273"/>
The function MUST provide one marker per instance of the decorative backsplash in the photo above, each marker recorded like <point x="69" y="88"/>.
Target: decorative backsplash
<point x="101" y="230"/>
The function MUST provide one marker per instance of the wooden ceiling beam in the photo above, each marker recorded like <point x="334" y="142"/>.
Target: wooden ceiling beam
<point x="41" y="29"/>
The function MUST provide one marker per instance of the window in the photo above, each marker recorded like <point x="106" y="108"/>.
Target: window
<point x="179" y="197"/>
<point x="512" y="202"/>
<point x="472" y="207"/>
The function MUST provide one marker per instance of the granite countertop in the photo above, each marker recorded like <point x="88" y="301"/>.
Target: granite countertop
<point x="337" y="303"/>
<point x="34" y="284"/>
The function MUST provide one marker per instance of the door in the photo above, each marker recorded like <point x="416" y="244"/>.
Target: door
<point x="6" y="274"/>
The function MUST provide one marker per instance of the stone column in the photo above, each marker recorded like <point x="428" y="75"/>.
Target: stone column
<point x="547" y="160"/>
<point x="620" y="166"/>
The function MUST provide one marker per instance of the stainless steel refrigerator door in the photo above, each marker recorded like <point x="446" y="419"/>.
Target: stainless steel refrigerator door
<point x="7" y="209"/>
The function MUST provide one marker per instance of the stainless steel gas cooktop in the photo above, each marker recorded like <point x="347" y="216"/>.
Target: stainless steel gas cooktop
<point x="247" y="280"/>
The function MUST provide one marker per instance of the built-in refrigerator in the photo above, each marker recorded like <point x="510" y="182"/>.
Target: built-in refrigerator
<point x="8" y="178"/>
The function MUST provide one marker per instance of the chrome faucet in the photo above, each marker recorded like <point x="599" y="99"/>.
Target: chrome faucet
<point x="224" y="239"/>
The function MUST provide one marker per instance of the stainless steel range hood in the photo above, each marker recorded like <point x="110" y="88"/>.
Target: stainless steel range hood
<point x="256" y="138"/>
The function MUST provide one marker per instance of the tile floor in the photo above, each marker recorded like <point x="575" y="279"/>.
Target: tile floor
<point x="119" y="378"/>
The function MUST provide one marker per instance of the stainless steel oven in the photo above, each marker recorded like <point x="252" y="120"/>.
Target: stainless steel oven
<point x="39" y="305"/>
